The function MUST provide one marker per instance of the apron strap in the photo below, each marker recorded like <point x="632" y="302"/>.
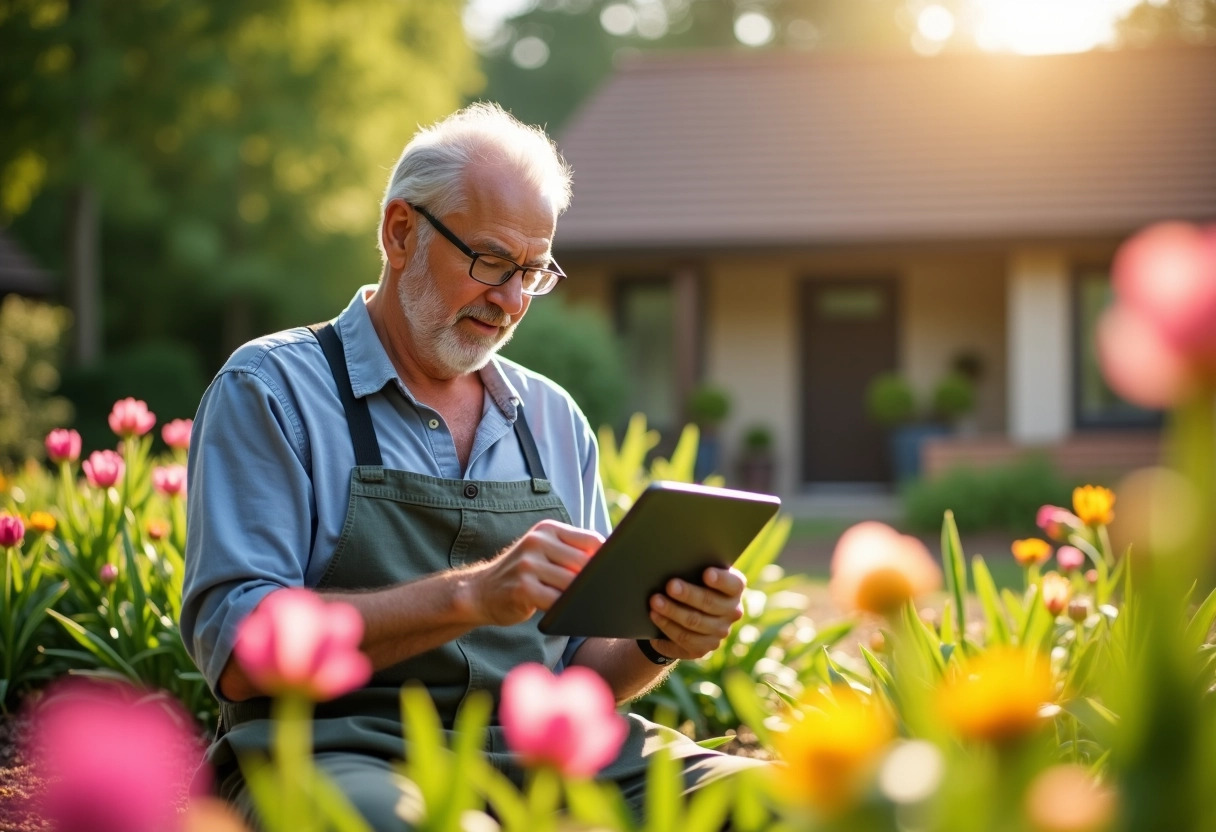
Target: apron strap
<point x="358" y="416"/>
<point x="540" y="483"/>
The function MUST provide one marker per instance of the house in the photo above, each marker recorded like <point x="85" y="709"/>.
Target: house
<point x="787" y="226"/>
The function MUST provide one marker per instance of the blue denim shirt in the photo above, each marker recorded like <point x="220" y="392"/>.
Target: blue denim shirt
<point x="270" y="461"/>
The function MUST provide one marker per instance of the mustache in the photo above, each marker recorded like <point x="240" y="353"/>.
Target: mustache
<point x="492" y="315"/>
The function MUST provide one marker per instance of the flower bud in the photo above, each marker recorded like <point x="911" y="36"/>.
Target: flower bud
<point x="177" y="433"/>
<point x="12" y="530"/>
<point x="131" y="417"/>
<point x="1056" y="591"/>
<point x="63" y="445"/>
<point x="108" y="574"/>
<point x="42" y="521"/>
<point x="1079" y="609"/>
<point x="1070" y="558"/>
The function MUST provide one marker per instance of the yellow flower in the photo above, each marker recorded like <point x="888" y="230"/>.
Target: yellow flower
<point x="1056" y="591"/>
<point x="833" y="751"/>
<point x="3" y="483"/>
<point x="1031" y="551"/>
<point x="158" y="528"/>
<point x="877" y="569"/>
<point x="997" y="695"/>
<point x="42" y="521"/>
<point x="1094" y="504"/>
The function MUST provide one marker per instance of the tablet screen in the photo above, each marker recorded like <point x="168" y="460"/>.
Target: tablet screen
<point x="673" y="530"/>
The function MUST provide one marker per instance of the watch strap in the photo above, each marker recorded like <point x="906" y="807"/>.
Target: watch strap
<point x="653" y="655"/>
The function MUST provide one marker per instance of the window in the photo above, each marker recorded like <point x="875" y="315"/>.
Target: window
<point x="1095" y="404"/>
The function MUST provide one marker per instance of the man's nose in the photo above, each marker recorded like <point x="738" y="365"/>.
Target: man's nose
<point x="509" y="296"/>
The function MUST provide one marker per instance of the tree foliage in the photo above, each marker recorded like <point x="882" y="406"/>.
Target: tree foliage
<point x="238" y="148"/>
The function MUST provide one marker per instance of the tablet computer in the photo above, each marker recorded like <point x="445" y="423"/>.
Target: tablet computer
<point x="674" y="530"/>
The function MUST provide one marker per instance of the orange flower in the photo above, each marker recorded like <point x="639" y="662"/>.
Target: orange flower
<point x="158" y="528"/>
<point x="1031" y="551"/>
<point x="42" y="521"/>
<point x="1056" y="591"/>
<point x="833" y="751"/>
<point x="1094" y="504"/>
<point x="997" y="695"/>
<point x="877" y="569"/>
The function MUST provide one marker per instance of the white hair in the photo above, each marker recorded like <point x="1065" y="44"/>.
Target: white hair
<point x="431" y="169"/>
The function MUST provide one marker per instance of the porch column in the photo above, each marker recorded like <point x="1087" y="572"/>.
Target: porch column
<point x="1039" y="327"/>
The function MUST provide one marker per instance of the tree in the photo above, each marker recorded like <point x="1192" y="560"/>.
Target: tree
<point x="235" y="150"/>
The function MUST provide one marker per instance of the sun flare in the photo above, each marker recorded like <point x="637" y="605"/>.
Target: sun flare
<point x="1038" y="27"/>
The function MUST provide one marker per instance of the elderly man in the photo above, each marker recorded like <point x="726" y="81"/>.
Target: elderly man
<point x="390" y="458"/>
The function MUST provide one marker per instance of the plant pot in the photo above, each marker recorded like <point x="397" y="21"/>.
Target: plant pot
<point x="906" y="442"/>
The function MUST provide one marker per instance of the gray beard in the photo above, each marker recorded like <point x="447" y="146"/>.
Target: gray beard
<point x="443" y="346"/>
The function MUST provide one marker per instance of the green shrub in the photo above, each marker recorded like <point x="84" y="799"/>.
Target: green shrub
<point x="708" y="406"/>
<point x="575" y="347"/>
<point x="954" y="397"/>
<point x="166" y="375"/>
<point x="31" y="339"/>
<point x="1003" y="498"/>
<point x="889" y="400"/>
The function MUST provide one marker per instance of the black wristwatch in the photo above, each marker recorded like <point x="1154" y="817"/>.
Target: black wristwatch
<point x="654" y="655"/>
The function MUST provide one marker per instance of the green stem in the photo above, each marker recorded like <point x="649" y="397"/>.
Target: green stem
<point x="292" y="721"/>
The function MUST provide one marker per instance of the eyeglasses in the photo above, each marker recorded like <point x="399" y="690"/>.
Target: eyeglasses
<point x="494" y="269"/>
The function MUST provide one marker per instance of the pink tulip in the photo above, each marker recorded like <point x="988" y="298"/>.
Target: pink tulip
<point x="295" y="642"/>
<point x="1057" y="523"/>
<point x="1139" y="364"/>
<point x="108" y="574"/>
<point x="568" y="721"/>
<point x="12" y="530"/>
<point x="63" y="445"/>
<point x="1070" y="558"/>
<point x="1167" y="273"/>
<point x="169" y="479"/>
<point x="131" y="417"/>
<point x="103" y="468"/>
<point x="177" y="433"/>
<point x="112" y="760"/>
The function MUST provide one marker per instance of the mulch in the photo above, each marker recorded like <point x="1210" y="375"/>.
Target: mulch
<point x="19" y="783"/>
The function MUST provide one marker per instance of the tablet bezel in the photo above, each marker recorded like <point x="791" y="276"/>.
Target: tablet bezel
<point x="672" y="530"/>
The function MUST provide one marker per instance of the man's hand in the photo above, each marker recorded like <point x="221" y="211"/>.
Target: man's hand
<point x="531" y="573"/>
<point x="696" y="619"/>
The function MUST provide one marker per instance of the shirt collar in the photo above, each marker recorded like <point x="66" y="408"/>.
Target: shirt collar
<point x="371" y="369"/>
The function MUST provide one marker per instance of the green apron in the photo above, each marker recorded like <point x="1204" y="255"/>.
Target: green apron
<point x="401" y="526"/>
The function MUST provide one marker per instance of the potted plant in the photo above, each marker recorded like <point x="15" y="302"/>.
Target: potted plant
<point x="757" y="463"/>
<point x="891" y="404"/>
<point x="708" y="407"/>
<point x="954" y="399"/>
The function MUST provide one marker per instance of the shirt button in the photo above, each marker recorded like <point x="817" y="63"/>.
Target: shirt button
<point x="470" y="490"/>
<point x="434" y="423"/>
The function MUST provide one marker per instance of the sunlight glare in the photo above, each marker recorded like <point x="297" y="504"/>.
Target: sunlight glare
<point x="935" y="23"/>
<point x="1039" y="27"/>
<point x="753" y="29"/>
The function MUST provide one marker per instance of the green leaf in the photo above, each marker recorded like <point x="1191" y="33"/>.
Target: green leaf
<point x="664" y="783"/>
<point x="715" y="742"/>
<point x="96" y="646"/>
<point x="740" y="689"/>
<point x="425" y="746"/>
<point x="994" y="612"/>
<point x="709" y="807"/>
<point x="955" y="568"/>
<point x="1200" y="625"/>
<point x="599" y="805"/>
<point x="1017" y="610"/>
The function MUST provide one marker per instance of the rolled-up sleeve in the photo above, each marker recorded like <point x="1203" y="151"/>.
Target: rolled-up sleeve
<point x="250" y="507"/>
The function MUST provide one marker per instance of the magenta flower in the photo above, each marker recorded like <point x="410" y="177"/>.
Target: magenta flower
<point x="177" y="433"/>
<point x="12" y="530"/>
<point x="103" y="468"/>
<point x="169" y="479"/>
<point x="568" y="721"/>
<point x="63" y="445"/>
<point x="113" y="759"/>
<point x="131" y="417"/>
<point x="1057" y="523"/>
<point x="295" y="642"/>
<point x="1070" y="558"/>
<point x="108" y="574"/>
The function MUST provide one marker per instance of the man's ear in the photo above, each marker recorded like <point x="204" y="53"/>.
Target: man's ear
<point x="395" y="233"/>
